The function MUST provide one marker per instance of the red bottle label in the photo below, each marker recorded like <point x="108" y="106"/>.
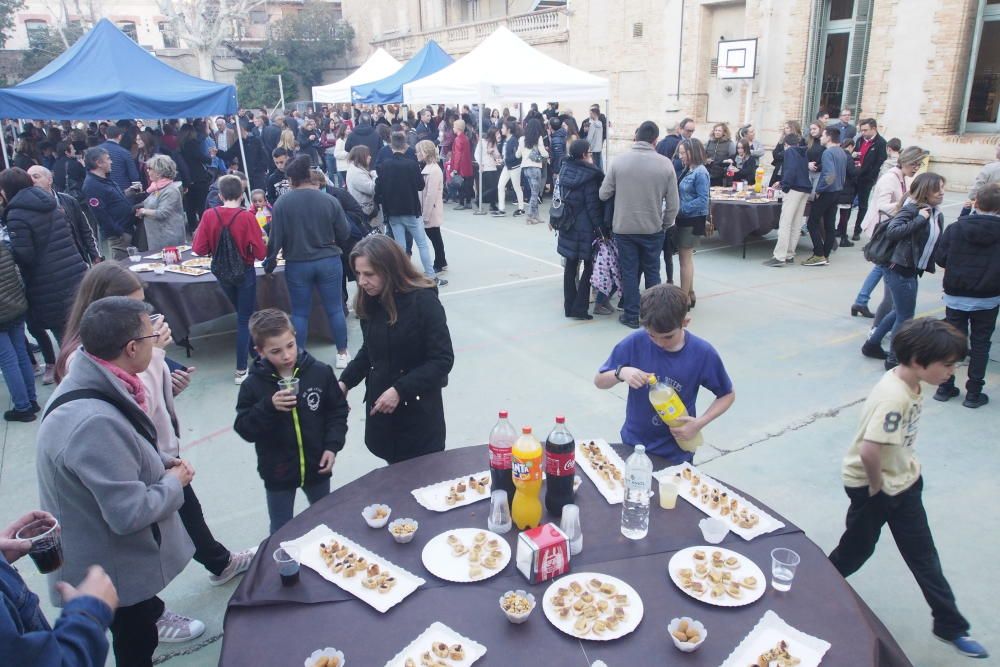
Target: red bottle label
<point x="560" y="465"/>
<point x="499" y="458"/>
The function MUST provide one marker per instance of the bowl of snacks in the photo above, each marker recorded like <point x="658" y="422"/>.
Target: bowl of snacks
<point x="517" y="605"/>
<point x="325" y="657"/>
<point x="376" y="516"/>
<point x="403" y="530"/>
<point x="687" y="633"/>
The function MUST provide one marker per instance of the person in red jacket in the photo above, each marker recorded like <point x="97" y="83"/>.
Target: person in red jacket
<point x="461" y="163"/>
<point x="249" y="240"/>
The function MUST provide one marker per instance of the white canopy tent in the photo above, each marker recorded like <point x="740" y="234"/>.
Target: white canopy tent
<point x="378" y="66"/>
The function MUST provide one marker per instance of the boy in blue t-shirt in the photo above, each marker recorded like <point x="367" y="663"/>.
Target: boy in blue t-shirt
<point x="676" y="357"/>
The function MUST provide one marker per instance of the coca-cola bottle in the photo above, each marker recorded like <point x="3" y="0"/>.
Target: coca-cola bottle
<point x="560" y="467"/>
<point x="502" y="439"/>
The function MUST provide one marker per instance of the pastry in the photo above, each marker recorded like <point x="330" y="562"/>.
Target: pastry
<point x="456" y="652"/>
<point x="475" y="571"/>
<point x="440" y="649"/>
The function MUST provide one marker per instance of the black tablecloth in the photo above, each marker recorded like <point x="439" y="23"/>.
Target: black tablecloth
<point x="268" y="624"/>
<point x="735" y="220"/>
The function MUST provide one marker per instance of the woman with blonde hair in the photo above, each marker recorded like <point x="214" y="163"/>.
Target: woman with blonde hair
<point x="287" y="141"/>
<point x="719" y="148"/>
<point x="432" y="200"/>
<point x="778" y="152"/>
<point x="461" y="164"/>
<point x="162" y="212"/>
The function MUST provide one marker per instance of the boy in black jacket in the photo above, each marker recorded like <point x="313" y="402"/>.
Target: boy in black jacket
<point x="297" y="437"/>
<point x="969" y="251"/>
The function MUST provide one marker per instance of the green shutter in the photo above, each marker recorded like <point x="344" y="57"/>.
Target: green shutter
<point x="857" y="60"/>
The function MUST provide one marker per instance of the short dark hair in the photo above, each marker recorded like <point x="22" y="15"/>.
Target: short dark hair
<point x="833" y="133"/>
<point x="988" y="198"/>
<point x="63" y="147"/>
<point x="383" y="131"/>
<point x="792" y="139"/>
<point x="648" y="131"/>
<point x="298" y="170"/>
<point x="397" y="142"/>
<point x="280" y="152"/>
<point x="14" y="180"/>
<point x="113" y="132"/>
<point x="870" y="122"/>
<point x="230" y="187"/>
<point x="109" y="324"/>
<point x="269" y="323"/>
<point x="663" y="307"/>
<point x="579" y="148"/>
<point x="894" y="144"/>
<point x="681" y="125"/>
<point x="925" y="340"/>
<point x="555" y="123"/>
<point x="91" y="157"/>
<point x="821" y="113"/>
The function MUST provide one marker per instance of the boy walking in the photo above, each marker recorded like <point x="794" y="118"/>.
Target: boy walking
<point x="970" y="251"/>
<point x="296" y="435"/>
<point x="665" y="348"/>
<point x="883" y="479"/>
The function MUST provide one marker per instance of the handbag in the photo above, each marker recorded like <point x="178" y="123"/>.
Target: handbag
<point x="879" y="248"/>
<point x="607" y="275"/>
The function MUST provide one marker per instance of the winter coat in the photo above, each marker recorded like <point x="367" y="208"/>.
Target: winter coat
<point x="874" y="157"/>
<point x="398" y="186"/>
<point x="79" y="227"/>
<point x="461" y="156"/>
<point x="888" y="191"/>
<point x="361" y="186"/>
<point x="510" y="148"/>
<point x="164" y="218"/>
<point x="795" y="170"/>
<point x="196" y="162"/>
<point x="580" y="186"/>
<point x="557" y="142"/>
<point x="13" y="303"/>
<point x="432" y="196"/>
<point x="746" y="170"/>
<point x="257" y="160"/>
<point x="115" y="503"/>
<point x="364" y="135"/>
<point x="850" y="183"/>
<point x="124" y="171"/>
<point x="44" y="250"/>
<point x="289" y="445"/>
<point x="718" y="150"/>
<point x="113" y="210"/>
<point x="414" y="356"/>
<point x="911" y="231"/>
<point x="969" y="251"/>
<point x="309" y="146"/>
<point x="693" y="190"/>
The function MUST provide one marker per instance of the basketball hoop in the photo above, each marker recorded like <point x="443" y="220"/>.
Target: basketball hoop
<point x="733" y="70"/>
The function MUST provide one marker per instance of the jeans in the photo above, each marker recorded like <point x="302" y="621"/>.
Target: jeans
<point x="907" y="520"/>
<point x="207" y="550"/>
<point x="823" y="223"/>
<point x="331" y="168"/>
<point x="415" y="226"/>
<point x="244" y="300"/>
<point x="513" y="176"/>
<point x="871" y="282"/>
<point x="576" y="292"/>
<point x="904" y="303"/>
<point x="281" y="504"/>
<point x="598" y="161"/>
<point x="16" y="366"/>
<point x="979" y="326"/>
<point x="638" y="252"/>
<point x="534" y="176"/>
<point x="133" y="632"/>
<point x="325" y="275"/>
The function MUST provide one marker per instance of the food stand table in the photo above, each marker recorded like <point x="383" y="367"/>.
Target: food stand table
<point x="736" y="220"/>
<point x="267" y="624"/>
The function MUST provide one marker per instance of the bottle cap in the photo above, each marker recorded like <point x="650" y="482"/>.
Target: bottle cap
<point x="503" y="414"/>
<point x="560" y="420"/>
<point x="525" y="430"/>
<point x="640" y="448"/>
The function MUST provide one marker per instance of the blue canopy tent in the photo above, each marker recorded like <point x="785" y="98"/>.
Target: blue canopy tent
<point x="106" y="75"/>
<point x="389" y="90"/>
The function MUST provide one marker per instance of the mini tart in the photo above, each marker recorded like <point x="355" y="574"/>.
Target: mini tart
<point x="453" y="540"/>
<point x="479" y="538"/>
<point x="456" y="652"/>
<point x="440" y="649"/>
<point x="370" y="582"/>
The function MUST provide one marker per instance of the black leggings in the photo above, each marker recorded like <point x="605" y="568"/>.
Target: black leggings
<point x="434" y="234"/>
<point x="845" y="216"/>
<point x="41" y="337"/>
<point x="668" y="254"/>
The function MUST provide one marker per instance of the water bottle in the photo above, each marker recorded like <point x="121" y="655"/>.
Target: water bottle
<point x="638" y="485"/>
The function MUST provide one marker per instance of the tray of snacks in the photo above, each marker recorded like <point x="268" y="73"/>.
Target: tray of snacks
<point x="362" y="573"/>
<point x="453" y="493"/>
<point x="144" y="267"/>
<point x="588" y="605"/>
<point x="198" y="262"/>
<point x="186" y="270"/>
<point x="466" y="554"/>
<point x="774" y="642"/>
<point x="439" y="646"/>
<point x="717" y="576"/>
<point x="716" y="499"/>
<point x="604" y="467"/>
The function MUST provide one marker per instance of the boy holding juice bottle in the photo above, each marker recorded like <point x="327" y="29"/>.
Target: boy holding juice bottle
<point x="678" y="358"/>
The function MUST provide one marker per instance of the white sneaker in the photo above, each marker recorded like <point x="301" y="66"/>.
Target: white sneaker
<point x="239" y="377"/>
<point x="342" y="360"/>
<point x="175" y="629"/>
<point x="239" y="562"/>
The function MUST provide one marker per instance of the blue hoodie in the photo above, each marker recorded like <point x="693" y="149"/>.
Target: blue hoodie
<point x="795" y="170"/>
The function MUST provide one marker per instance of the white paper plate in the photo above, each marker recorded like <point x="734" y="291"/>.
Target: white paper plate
<point x="308" y="544"/>
<point x="613" y="492"/>
<point x="143" y="267"/>
<point x="439" y="632"/>
<point x="633" y="611"/>
<point x="432" y="497"/>
<point x="439" y="560"/>
<point x="767" y="524"/>
<point x="685" y="559"/>
<point x="767" y="633"/>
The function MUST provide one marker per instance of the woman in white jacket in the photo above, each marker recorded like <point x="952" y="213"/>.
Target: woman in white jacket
<point x="533" y="154"/>
<point x="341" y="155"/>
<point x="361" y="183"/>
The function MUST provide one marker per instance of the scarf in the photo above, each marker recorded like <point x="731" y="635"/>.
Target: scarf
<point x="159" y="184"/>
<point x="133" y="385"/>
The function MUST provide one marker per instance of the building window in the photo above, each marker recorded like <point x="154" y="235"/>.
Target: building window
<point x="258" y="17"/>
<point x="128" y="27"/>
<point x="169" y="38"/>
<point x="983" y="92"/>
<point x="38" y="32"/>
<point x="840" y="31"/>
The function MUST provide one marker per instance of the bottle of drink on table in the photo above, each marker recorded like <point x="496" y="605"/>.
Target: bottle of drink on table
<point x="502" y="439"/>
<point x="526" y="468"/>
<point x="560" y="467"/>
<point x="638" y="484"/>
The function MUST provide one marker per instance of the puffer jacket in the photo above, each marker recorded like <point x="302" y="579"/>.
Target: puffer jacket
<point x="718" y="150"/>
<point x="580" y="185"/>
<point x="911" y="231"/>
<point x="969" y="251"/>
<point x="12" y="302"/>
<point x="557" y="144"/>
<point x="46" y="254"/>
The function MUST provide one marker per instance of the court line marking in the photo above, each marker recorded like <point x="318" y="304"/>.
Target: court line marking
<point x="443" y="292"/>
<point x="500" y="247"/>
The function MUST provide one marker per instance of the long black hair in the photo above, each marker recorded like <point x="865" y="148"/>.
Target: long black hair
<point x="532" y="133"/>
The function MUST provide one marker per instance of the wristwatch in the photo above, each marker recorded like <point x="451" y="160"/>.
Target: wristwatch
<point x="618" y="372"/>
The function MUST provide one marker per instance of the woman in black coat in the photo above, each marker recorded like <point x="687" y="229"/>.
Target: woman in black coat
<point x="406" y="355"/>
<point x="579" y="183"/>
<point x="44" y="250"/>
<point x="846" y="200"/>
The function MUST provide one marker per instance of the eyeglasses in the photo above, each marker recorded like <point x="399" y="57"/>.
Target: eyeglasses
<point x="152" y="335"/>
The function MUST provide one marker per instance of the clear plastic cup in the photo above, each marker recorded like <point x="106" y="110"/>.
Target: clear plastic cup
<point x="287" y="560"/>
<point x="133" y="254"/>
<point x="45" y="536"/>
<point x="499" y="520"/>
<point x="668" y="494"/>
<point x="289" y="384"/>
<point x="783" y="565"/>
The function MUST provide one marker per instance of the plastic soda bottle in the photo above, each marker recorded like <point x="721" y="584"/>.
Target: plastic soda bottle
<point x="526" y="469"/>
<point x="758" y="184"/>
<point x="638" y="484"/>
<point x="668" y="404"/>
<point x="502" y="439"/>
<point x="560" y="467"/>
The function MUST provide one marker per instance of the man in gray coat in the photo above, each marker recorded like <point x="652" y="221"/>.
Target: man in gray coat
<point x="101" y="476"/>
<point x="644" y="186"/>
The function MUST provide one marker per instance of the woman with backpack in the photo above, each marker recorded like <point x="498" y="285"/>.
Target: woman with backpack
<point x="579" y="184"/>
<point x="231" y="235"/>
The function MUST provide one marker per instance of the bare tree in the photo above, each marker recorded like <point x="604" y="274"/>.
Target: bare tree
<point x="203" y="25"/>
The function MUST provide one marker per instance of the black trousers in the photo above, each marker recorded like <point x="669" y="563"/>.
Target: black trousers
<point x="41" y="337"/>
<point x="194" y="203"/>
<point x="978" y="325"/>
<point x="908" y="522"/>
<point x="576" y="293"/>
<point x="133" y="633"/>
<point x="864" y="191"/>
<point x="823" y="223"/>
<point x="434" y="234"/>
<point x="845" y="217"/>
<point x="207" y="550"/>
<point x="668" y="252"/>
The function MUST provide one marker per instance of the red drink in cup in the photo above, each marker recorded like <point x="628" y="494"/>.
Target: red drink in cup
<point x="45" y="536"/>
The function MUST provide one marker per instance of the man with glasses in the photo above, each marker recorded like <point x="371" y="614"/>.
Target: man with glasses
<point x="667" y="147"/>
<point x="847" y="131"/>
<point x="101" y="475"/>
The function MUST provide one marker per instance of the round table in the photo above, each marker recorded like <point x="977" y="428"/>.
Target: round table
<point x="267" y="624"/>
<point x="735" y="221"/>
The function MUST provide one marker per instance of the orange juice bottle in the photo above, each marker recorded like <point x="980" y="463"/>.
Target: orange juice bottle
<point x="526" y="464"/>
<point x="668" y="404"/>
<point x="758" y="184"/>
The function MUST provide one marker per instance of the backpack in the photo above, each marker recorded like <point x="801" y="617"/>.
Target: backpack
<point x="13" y="303"/>
<point x="227" y="263"/>
<point x="879" y="249"/>
<point x="559" y="219"/>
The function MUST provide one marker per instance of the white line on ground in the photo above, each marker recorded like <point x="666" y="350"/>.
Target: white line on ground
<point x="500" y="247"/>
<point x="443" y="292"/>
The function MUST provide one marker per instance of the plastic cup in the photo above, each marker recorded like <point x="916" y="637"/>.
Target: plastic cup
<point x="783" y="564"/>
<point x="287" y="560"/>
<point x="133" y="254"/>
<point x="499" y="520"/>
<point x="713" y="530"/>
<point x="668" y="494"/>
<point x="160" y="268"/>
<point x="289" y="384"/>
<point x="45" y="536"/>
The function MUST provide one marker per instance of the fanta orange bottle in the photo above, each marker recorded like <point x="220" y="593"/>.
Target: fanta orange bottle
<point x="526" y="464"/>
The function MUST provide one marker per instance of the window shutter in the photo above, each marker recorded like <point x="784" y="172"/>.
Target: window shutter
<point x="814" y="59"/>
<point x="858" y="57"/>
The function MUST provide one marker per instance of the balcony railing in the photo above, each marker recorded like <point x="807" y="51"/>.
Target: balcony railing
<point x="535" y="27"/>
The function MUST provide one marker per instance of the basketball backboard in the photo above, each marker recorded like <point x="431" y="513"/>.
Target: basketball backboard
<point x="737" y="59"/>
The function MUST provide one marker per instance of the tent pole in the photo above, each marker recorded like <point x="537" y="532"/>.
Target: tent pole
<point x="243" y="155"/>
<point x="3" y="144"/>
<point x="480" y="210"/>
<point x="605" y="139"/>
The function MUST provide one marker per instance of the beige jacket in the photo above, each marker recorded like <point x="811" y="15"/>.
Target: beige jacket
<point x="431" y="197"/>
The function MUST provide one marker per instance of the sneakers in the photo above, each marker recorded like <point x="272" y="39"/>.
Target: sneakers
<point x="518" y="212"/>
<point x="440" y="282"/>
<point x="631" y="324"/>
<point x="844" y="243"/>
<point x="50" y="374"/>
<point x="816" y="260"/>
<point x="174" y="629"/>
<point x="604" y="309"/>
<point x="773" y="262"/>
<point x="499" y="214"/>
<point x="441" y="269"/>
<point x="873" y="351"/>
<point x="342" y="360"/>
<point x="967" y="646"/>
<point x="974" y="400"/>
<point x="945" y="393"/>
<point x="790" y="260"/>
<point x="28" y="415"/>
<point x="856" y="236"/>
<point x="239" y="562"/>
<point x="239" y="377"/>
<point x="39" y="370"/>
